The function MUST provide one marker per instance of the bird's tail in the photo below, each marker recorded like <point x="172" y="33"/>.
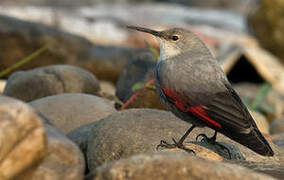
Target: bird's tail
<point x="254" y="141"/>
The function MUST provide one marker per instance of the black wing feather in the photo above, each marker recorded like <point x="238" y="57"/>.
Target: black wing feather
<point x="227" y="109"/>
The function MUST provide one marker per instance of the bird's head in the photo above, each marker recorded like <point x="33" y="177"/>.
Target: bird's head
<point x="173" y="41"/>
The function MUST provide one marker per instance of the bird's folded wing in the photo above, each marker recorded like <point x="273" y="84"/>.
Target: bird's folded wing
<point x="227" y="109"/>
<point x="222" y="110"/>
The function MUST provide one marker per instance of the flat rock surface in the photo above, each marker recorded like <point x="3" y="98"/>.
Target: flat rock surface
<point x="23" y="139"/>
<point x="69" y="111"/>
<point x="171" y="166"/>
<point x="134" y="131"/>
<point x="50" y="80"/>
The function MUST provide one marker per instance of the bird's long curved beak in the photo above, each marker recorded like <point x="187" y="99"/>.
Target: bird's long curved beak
<point x="146" y="30"/>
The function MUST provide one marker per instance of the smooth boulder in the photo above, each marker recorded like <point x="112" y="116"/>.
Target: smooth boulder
<point x="171" y="166"/>
<point x="23" y="139"/>
<point x="69" y="111"/>
<point x="50" y="80"/>
<point x="81" y="135"/>
<point x="63" y="160"/>
<point x="134" y="131"/>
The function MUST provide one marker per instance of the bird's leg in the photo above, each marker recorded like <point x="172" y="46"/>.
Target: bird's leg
<point x="212" y="141"/>
<point x="178" y="144"/>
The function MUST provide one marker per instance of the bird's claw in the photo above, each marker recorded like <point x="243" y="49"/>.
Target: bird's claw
<point x="165" y="145"/>
<point x="188" y="150"/>
<point x="174" y="145"/>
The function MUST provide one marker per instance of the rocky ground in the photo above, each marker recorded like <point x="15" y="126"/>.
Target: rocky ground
<point x="86" y="108"/>
<point x="74" y="133"/>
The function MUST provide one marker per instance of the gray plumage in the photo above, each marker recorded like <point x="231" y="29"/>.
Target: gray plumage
<point x="193" y="86"/>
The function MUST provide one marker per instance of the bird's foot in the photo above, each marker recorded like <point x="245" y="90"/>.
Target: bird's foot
<point x="206" y="138"/>
<point x="212" y="141"/>
<point x="176" y="144"/>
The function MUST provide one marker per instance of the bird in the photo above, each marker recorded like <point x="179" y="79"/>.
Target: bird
<point x="192" y="85"/>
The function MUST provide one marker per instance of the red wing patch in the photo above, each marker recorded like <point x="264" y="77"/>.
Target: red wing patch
<point x="199" y="111"/>
<point x="195" y="110"/>
<point x="179" y="103"/>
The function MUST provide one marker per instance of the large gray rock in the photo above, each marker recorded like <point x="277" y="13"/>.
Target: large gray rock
<point x="64" y="160"/>
<point x="23" y="140"/>
<point x="129" y="132"/>
<point x="69" y="111"/>
<point x="134" y="131"/>
<point x="81" y="135"/>
<point x="21" y="38"/>
<point x="171" y="166"/>
<point x="50" y="80"/>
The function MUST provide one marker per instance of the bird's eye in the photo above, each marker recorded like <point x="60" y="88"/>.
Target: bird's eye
<point x="175" y="38"/>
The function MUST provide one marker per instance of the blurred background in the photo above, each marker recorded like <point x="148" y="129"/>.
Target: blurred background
<point x="246" y="37"/>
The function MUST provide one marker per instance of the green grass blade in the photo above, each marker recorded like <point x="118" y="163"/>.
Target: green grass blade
<point x="23" y="61"/>
<point x="138" y="85"/>
<point x="261" y="95"/>
<point x="153" y="50"/>
<point x="267" y="108"/>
